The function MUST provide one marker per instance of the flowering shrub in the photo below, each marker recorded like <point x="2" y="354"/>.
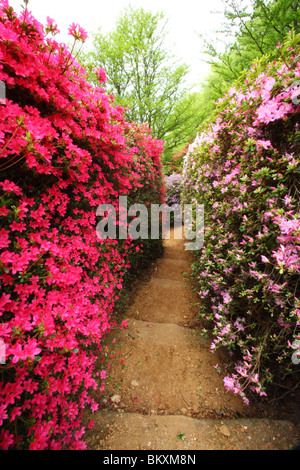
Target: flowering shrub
<point x="173" y="189"/>
<point x="244" y="167"/>
<point x="65" y="149"/>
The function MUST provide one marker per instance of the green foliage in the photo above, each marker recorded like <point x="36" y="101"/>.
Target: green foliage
<point x="145" y="78"/>
<point x="184" y="122"/>
<point x="250" y="32"/>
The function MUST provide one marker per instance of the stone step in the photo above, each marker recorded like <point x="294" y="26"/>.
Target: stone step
<point x="165" y="301"/>
<point x="167" y="369"/>
<point x="173" y="269"/>
<point x="164" y="389"/>
<point x="175" y="252"/>
<point x="132" y="431"/>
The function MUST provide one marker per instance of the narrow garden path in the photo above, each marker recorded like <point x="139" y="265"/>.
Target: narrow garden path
<point x="165" y="391"/>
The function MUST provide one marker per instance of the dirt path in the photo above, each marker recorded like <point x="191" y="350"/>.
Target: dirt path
<point x="165" y="391"/>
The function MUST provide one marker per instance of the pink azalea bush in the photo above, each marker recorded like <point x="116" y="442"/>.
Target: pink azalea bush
<point x="244" y="167"/>
<point x="65" y="148"/>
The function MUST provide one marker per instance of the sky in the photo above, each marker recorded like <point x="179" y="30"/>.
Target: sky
<point x="186" y="19"/>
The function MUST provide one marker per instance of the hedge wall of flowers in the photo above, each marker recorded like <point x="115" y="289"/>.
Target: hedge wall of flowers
<point x="65" y="148"/>
<point x="244" y="167"/>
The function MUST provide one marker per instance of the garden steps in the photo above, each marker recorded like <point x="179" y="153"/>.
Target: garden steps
<point x="165" y="390"/>
<point x="173" y="269"/>
<point x="168" y="369"/>
<point x="135" y="431"/>
<point x="164" y="301"/>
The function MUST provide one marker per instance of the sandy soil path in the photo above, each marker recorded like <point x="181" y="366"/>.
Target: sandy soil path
<point x="165" y="391"/>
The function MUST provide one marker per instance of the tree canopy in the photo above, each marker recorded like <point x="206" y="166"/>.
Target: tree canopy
<point x="251" y="30"/>
<point x="150" y="83"/>
<point x="144" y="77"/>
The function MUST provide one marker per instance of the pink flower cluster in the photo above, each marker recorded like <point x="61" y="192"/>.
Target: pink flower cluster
<point x="64" y="150"/>
<point x="244" y="167"/>
<point x="77" y="32"/>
